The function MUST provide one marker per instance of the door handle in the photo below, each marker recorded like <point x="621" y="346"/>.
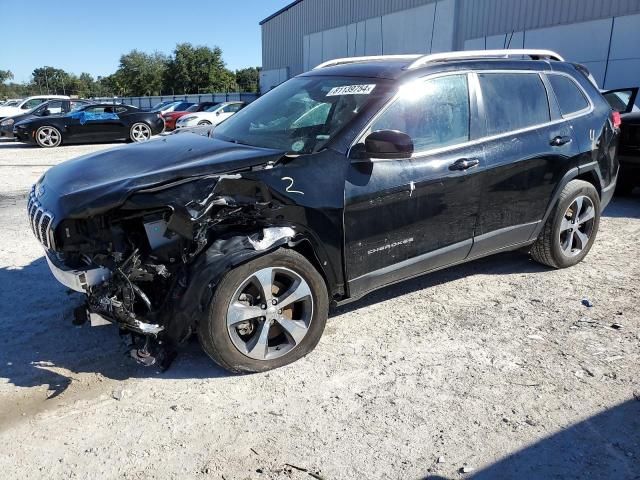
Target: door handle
<point x="560" y="141"/>
<point x="464" y="164"/>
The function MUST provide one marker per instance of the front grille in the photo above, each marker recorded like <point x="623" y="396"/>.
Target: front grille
<point x="40" y="221"/>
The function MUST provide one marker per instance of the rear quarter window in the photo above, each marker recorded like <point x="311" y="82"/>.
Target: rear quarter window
<point x="513" y="101"/>
<point x="570" y="97"/>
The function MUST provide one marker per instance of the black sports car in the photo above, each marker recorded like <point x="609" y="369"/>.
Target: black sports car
<point x="46" y="109"/>
<point x="623" y="101"/>
<point x="92" y="123"/>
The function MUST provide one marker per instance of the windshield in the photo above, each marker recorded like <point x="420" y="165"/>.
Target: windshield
<point x="12" y="103"/>
<point x="301" y="115"/>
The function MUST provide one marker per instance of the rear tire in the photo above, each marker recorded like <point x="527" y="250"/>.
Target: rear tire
<point x="571" y="229"/>
<point x="248" y="331"/>
<point x="204" y="122"/>
<point x="140" y="132"/>
<point x="48" y="137"/>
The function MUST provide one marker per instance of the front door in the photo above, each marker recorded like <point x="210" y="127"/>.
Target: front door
<point x="408" y="216"/>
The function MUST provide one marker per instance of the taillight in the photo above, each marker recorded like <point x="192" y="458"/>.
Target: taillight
<point x="616" y="119"/>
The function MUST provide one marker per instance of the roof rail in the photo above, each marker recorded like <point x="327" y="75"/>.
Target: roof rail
<point x="470" y="54"/>
<point x="340" y="61"/>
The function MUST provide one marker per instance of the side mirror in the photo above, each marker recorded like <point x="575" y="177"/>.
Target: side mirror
<point x="387" y="144"/>
<point x="46" y="112"/>
<point x="218" y="113"/>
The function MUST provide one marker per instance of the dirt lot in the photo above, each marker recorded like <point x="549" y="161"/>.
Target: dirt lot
<point x="495" y="367"/>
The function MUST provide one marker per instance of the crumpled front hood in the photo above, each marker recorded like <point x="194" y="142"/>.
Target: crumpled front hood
<point x="98" y="182"/>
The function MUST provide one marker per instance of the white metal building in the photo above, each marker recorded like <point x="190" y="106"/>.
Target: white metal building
<point x="604" y="35"/>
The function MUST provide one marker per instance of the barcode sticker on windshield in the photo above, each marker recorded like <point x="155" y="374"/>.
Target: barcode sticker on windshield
<point x="351" y="90"/>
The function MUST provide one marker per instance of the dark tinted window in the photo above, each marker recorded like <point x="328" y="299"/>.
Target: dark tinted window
<point x="434" y="113"/>
<point x="513" y="101"/>
<point x="570" y="98"/>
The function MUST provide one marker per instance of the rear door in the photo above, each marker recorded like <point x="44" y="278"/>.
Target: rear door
<point x="528" y="148"/>
<point x="407" y="216"/>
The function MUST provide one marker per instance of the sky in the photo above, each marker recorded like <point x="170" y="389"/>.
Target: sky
<point x="90" y="35"/>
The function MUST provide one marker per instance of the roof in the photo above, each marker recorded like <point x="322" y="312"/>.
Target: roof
<point x="282" y="10"/>
<point x="396" y="66"/>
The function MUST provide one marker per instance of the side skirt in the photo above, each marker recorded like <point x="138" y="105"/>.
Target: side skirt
<point x="401" y="272"/>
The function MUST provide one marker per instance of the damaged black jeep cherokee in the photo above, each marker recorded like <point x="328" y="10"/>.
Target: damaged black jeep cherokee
<point x="348" y="178"/>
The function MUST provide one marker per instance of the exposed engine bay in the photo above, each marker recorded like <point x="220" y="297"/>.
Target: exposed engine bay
<point x="136" y="263"/>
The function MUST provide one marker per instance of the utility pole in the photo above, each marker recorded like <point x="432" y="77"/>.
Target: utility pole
<point x="46" y="79"/>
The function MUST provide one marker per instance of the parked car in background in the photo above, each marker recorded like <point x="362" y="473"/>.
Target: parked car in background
<point x="91" y="123"/>
<point x="624" y="102"/>
<point x="212" y="115"/>
<point x="171" y="117"/>
<point x="159" y="106"/>
<point x="27" y="104"/>
<point x="10" y="102"/>
<point x="175" y="106"/>
<point x="404" y="166"/>
<point x="46" y="109"/>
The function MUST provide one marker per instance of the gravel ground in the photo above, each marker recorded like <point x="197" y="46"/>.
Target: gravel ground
<point x="494" y="368"/>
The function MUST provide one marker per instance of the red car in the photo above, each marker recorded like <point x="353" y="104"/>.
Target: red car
<point x="171" y="117"/>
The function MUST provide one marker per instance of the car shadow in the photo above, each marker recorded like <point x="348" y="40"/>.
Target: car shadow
<point x="624" y="207"/>
<point x="499" y="264"/>
<point x="605" y="446"/>
<point x="41" y="347"/>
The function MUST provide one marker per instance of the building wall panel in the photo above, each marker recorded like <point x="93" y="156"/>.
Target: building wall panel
<point x="580" y="42"/>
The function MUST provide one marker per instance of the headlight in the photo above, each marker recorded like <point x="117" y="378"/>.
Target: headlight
<point x="7" y="122"/>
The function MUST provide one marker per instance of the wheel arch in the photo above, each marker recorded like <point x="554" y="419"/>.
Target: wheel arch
<point x="588" y="173"/>
<point x="227" y="253"/>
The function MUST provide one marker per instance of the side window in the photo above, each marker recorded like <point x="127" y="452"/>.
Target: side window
<point x="54" y="107"/>
<point x="570" y="97"/>
<point x="434" y="113"/>
<point x="33" y="103"/>
<point x="513" y="101"/>
<point x="233" y="108"/>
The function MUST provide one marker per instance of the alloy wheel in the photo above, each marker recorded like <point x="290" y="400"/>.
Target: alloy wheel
<point x="270" y="313"/>
<point x="140" y="132"/>
<point x="48" y="137"/>
<point x="576" y="227"/>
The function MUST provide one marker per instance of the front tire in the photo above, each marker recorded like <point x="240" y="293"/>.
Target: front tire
<point x="266" y="313"/>
<point x="140" y="132"/>
<point x="571" y="229"/>
<point x="48" y="137"/>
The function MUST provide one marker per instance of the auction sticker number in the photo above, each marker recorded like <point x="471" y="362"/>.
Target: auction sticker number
<point x="351" y="90"/>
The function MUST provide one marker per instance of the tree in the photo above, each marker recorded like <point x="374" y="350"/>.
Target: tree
<point x="248" y="79"/>
<point x="196" y="69"/>
<point x="140" y="73"/>
<point x="53" y="80"/>
<point x="5" y="75"/>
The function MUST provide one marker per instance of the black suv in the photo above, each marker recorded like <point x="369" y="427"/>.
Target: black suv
<point x="356" y="175"/>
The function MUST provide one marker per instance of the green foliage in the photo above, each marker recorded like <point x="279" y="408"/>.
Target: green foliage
<point x="190" y="69"/>
<point x="5" y="75"/>
<point x="140" y="73"/>
<point x="197" y="69"/>
<point x="248" y="79"/>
